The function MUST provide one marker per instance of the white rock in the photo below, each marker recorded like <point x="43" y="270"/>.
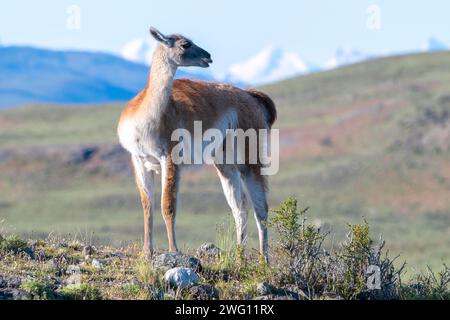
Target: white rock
<point x="97" y="264"/>
<point x="181" y="277"/>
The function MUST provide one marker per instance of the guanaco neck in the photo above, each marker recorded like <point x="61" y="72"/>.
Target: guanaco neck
<point x="159" y="88"/>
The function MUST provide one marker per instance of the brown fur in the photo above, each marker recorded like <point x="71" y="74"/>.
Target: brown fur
<point x="169" y="202"/>
<point x="267" y="102"/>
<point x="207" y="101"/>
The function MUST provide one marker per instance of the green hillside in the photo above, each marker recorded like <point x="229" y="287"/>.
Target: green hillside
<point x="368" y="141"/>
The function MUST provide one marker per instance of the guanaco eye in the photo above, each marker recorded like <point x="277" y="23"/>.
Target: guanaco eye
<point x="186" y="45"/>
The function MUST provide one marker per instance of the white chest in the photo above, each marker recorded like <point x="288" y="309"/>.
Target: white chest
<point x="139" y="139"/>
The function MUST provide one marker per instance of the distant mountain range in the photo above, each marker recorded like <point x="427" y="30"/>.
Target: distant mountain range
<point x="32" y="75"/>
<point x="273" y="64"/>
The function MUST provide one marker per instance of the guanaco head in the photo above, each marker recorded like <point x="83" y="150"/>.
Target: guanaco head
<point x="181" y="50"/>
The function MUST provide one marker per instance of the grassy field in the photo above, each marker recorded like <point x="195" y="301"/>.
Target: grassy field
<point x="369" y="141"/>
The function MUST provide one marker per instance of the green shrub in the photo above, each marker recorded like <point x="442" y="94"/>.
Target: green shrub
<point x="298" y="247"/>
<point x="354" y="260"/>
<point x="350" y="268"/>
<point x="38" y="289"/>
<point x="302" y="261"/>
<point x="12" y="244"/>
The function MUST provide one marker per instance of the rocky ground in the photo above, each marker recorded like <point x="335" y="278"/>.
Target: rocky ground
<point x="300" y="269"/>
<point x="53" y="269"/>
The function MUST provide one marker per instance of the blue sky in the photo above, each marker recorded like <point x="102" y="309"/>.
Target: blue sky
<point x="231" y="30"/>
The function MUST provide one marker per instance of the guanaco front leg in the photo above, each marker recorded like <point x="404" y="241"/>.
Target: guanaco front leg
<point x="145" y="183"/>
<point x="169" y="180"/>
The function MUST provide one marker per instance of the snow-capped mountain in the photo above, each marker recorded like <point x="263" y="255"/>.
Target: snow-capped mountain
<point x="139" y="51"/>
<point x="434" y="45"/>
<point x="269" y="65"/>
<point x="345" y="56"/>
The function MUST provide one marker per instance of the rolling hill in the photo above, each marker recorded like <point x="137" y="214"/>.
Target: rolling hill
<point x="367" y="141"/>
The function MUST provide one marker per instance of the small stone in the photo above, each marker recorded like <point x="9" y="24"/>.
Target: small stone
<point x="40" y="256"/>
<point x="203" y="292"/>
<point x="135" y="281"/>
<point x="264" y="289"/>
<point x="74" y="275"/>
<point x="181" y="277"/>
<point x="295" y="292"/>
<point x="27" y="253"/>
<point x="273" y="297"/>
<point x="169" y="296"/>
<point x="33" y="244"/>
<point x="61" y="245"/>
<point x="97" y="264"/>
<point x="88" y="250"/>
<point x="10" y="282"/>
<point x="331" y="296"/>
<point x="208" y="250"/>
<point x="14" y="294"/>
<point x="168" y="261"/>
<point x="262" y="298"/>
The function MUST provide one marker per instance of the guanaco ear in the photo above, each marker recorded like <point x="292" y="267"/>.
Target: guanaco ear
<point x="158" y="36"/>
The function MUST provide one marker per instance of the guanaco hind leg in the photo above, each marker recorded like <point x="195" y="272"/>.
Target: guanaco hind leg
<point x="256" y="188"/>
<point x="230" y="178"/>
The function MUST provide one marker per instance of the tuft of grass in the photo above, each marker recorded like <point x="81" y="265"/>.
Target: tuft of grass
<point x="253" y="272"/>
<point x="146" y="273"/>
<point x="429" y="286"/>
<point x="225" y="237"/>
<point x="150" y="280"/>
<point x="134" y="292"/>
<point x="83" y="291"/>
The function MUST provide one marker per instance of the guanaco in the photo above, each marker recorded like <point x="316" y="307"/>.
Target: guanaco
<point x="164" y="105"/>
